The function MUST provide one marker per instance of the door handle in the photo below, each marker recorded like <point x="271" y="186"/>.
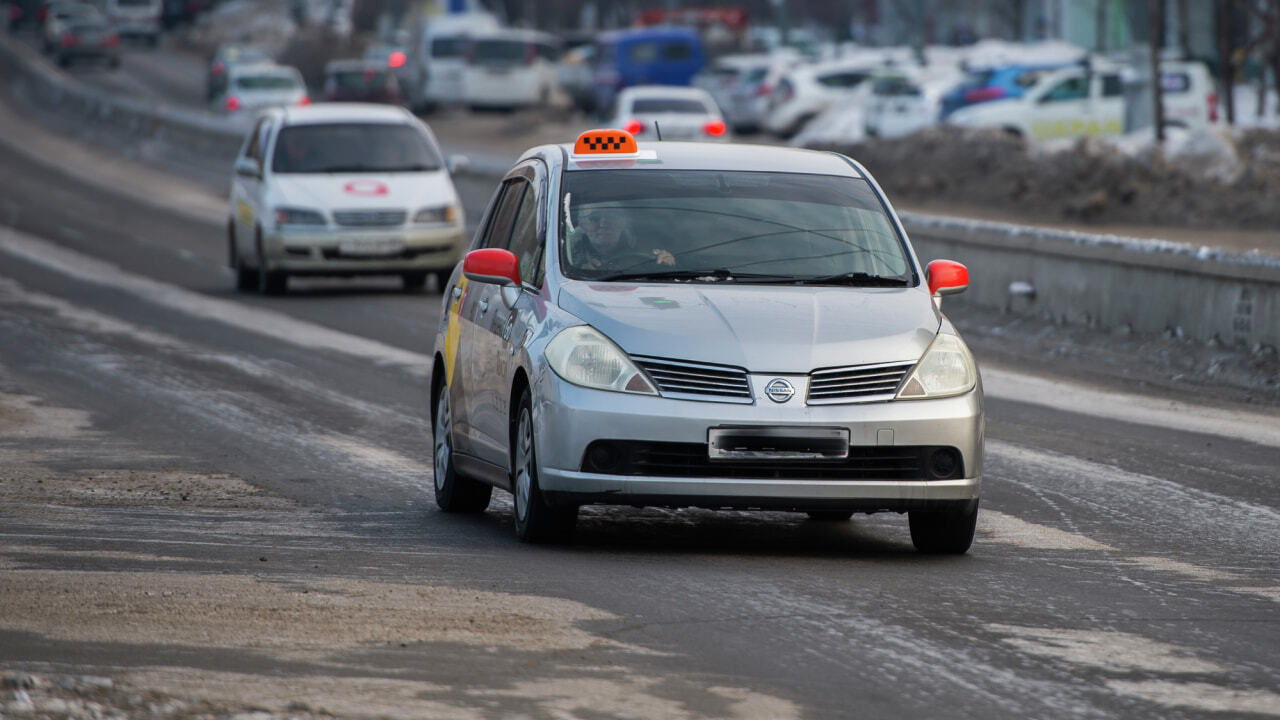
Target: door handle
<point x="484" y="306"/>
<point x="457" y="292"/>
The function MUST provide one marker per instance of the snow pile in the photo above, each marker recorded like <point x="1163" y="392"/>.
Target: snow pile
<point x="261" y="22"/>
<point x="995" y="53"/>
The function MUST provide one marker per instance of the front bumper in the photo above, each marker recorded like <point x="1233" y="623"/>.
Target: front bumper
<point x="337" y="250"/>
<point x="569" y="418"/>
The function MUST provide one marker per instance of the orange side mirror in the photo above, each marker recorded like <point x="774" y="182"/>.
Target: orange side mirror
<point x="492" y="265"/>
<point x="946" y="277"/>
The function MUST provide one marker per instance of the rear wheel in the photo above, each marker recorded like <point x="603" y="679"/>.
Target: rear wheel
<point x="536" y="520"/>
<point x="943" y="533"/>
<point x="454" y="493"/>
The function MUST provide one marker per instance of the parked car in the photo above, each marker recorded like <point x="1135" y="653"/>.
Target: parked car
<point x="60" y="15"/>
<point x="227" y="55"/>
<point x="741" y="88"/>
<point x="261" y="85"/>
<point x="807" y="90"/>
<point x="665" y="112"/>
<point x="360" y="81"/>
<point x="510" y="69"/>
<point x="646" y="56"/>
<point x="88" y="37"/>
<point x="342" y="189"/>
<point x="906" y="100"/>
<point x="994" y="83"/>
<point x="395" y="58"/>
<point x="1089" y="100"/>
<point x="574" y="74"/>
<point x="138" y="19"/>
<point x="692" y="325"/>
<point x="23" y="12"/>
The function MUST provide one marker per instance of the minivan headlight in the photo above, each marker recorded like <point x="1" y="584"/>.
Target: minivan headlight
<point x="441" y="214"/>
<point x="583" y="356"/>
<point x="946" y="369"/>
<point x="298" y="216"/>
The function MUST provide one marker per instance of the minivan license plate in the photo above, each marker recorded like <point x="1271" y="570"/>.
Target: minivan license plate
<point x="371" y="247"/>
<point x="777" y="443"/>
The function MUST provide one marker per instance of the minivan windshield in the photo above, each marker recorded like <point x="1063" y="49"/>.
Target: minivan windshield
<point x="728" y="226"/>
<point x="499" y="51"/>
<point x="353" y="148"/>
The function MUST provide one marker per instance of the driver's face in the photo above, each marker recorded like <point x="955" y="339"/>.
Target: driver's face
<point x="604" y="229"/>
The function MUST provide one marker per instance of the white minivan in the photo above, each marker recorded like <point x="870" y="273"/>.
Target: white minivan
<point x="510" y="68"/>
<point x="441" y="56"/>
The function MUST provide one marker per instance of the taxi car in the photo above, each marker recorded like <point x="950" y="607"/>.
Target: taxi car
<point x="693" y="325"/>
<point x="342" y="189"/>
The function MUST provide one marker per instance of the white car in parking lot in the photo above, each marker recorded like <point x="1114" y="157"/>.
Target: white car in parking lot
<point x="342" y="189"/>
<point x="808" y="90"/>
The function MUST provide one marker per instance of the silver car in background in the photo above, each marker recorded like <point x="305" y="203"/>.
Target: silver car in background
<point x="717" y="326"/>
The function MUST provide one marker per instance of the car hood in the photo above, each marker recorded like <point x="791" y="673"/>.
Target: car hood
<point x="765" y="329"/>
<point x="411" y="191"/>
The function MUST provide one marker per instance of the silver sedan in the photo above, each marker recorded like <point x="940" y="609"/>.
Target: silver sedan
<point x="691" y="325"/>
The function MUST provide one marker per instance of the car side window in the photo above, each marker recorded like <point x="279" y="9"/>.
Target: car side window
<point x="525" y="243"/>
<point x="676" y="51"/>
<point x="1111" y="86"/>
<point x="499" y="230"/>
<point x="1074" y="88"/>
<point x="256" y="140"/>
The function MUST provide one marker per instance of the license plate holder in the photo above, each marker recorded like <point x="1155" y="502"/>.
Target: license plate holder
<point x="388" y="246"/>
<point x="755" y="443"/>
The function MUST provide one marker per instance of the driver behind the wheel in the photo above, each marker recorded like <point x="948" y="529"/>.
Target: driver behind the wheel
<point x="603" y="242"/>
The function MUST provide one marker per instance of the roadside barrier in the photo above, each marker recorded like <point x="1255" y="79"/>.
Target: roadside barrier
<point x="1101" y="281"/>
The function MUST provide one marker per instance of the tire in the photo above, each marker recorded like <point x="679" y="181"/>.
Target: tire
<point x="832" y="516"/>
<point x="943" y="533"/>
<point x="246" y="277"/>
<point x="414" y="281"/>
<point x="536" y="520"/>
<point x="454" y="493"/>
<point x="270" y="282"/>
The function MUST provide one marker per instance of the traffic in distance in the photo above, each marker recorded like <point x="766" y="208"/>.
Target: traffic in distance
<point x="682" y="324"/>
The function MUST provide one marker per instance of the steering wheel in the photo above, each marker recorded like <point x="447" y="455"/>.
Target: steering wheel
<point x="633" y="260"/>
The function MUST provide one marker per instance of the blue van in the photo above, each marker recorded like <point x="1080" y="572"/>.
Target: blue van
<point x="646" y="56"/>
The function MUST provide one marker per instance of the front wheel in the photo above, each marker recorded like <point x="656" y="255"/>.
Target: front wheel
<point x="270" y="282"/>
<point x="943" y="533"/>
<point x="537" y="521"/>
<point x="454" y="493"/>
<point x="414" y="281"/>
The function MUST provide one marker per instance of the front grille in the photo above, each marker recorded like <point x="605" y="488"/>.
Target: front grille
<point x="697" y="381"/>
<point x="689" y="460"/>
<point x="863" y="383"/>
<point x="370" y="218"/>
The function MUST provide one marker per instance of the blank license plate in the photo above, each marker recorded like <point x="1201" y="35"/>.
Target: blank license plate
<point x="371" y="247"/>
<point x="778" y="443"/>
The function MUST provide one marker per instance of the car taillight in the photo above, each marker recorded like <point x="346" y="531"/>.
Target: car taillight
<point x="634" y="126"/>
<point x="15" y="12"/>
<point x="218" y="68"/>
<point x="43" y="13"/>
<point x="1212" y="100"/>
<point x="982" y="94"/>
<point x="530" y="53"/>
<point x="763" y="90"/>
<point x="233" y="103"/>
<point x="305" y="101"/>
<point x="113" y="40"/>
<point x="68" y="39"/>
<point x="396" y="59"/>
<point x="714" y="128"/>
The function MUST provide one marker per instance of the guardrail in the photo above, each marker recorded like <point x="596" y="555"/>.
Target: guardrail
<point x="1101" y="281"/>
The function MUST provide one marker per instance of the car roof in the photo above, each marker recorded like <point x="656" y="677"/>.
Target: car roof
<point x="264" y="68"/>
<point x="354" y="64"/>
<point x="714" y="156"/>
<point x="653" y="32"/>
<point x="344" y="112"/>
<point x="665" y="91"/>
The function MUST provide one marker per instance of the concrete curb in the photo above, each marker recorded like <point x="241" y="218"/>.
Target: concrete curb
<point x="1101" y="281"/>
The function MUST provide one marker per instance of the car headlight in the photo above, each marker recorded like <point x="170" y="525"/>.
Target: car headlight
<point x="442" y="214"/>
<point x="946" y="369"/>
<point x="298" y="216"/>
<point x="583" y="356"/>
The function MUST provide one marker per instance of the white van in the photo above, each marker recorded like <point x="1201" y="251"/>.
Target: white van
<point x="441" y="56"/>
<point x="1073" y="102"/>
<point x="510" y="69"/>
<point x="136" y="18"/>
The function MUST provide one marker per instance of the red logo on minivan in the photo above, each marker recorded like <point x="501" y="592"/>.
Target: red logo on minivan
<point x="367" y="188"/>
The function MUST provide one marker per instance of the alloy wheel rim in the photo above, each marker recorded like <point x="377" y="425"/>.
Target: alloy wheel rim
<point x="444" y="423"/>
<point x="524" y="470"/>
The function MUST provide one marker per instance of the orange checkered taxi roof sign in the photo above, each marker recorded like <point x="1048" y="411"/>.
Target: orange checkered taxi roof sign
<point x="606" y="142"/>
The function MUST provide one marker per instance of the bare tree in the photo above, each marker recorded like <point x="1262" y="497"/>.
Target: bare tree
<point x="1012" y="14"/>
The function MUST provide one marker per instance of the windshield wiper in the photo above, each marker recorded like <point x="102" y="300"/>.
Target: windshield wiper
<point x="854" y="279"/>
<point x="717" y="275"/>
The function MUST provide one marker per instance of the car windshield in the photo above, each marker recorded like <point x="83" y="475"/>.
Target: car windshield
<point x="353" y="148"/>
<point x="244" y="54"/>
<point x="267" y="82"/>
<point x="668" y="105"/>
<point x="721" y="226"/>
<point x="358" y="79"/>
